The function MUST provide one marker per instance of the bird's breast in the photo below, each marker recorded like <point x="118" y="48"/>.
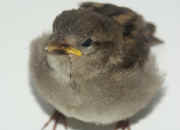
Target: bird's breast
<point x="60" y="68"/>
<point x="66" y="87"/>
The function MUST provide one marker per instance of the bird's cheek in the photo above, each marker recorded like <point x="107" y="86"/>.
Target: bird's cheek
<point x="89" y="50"/>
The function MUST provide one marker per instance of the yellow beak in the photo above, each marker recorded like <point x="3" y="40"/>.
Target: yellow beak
<point x="66" y="49"/>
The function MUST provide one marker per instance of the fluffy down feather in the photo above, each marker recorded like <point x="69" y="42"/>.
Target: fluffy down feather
<point x="102" y="99"/>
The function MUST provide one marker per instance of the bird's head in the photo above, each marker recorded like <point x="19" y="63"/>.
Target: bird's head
<point x="94" y="41"/>
<point x="82" y="33"/>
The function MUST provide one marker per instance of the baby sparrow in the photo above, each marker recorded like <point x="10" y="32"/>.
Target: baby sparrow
<point x="96" y="64"/>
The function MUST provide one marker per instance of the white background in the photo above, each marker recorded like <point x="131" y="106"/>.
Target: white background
<point x="21" y="21"/>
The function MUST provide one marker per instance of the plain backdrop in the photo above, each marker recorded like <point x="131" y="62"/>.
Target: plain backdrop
<point x="21" y="21"/>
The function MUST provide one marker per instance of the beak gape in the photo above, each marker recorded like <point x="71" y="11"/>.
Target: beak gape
<point x="63" y="49"/>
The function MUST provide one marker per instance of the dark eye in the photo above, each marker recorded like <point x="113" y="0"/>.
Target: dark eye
<point x="87" y="43"/>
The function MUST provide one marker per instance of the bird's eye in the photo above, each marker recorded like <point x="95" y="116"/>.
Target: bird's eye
<point x="87" y="43"/>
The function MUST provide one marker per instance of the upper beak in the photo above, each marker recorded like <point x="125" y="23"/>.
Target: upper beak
<point x="66" y="49"/>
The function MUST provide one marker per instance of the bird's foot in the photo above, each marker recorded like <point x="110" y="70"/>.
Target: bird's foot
<point x="124" y="125"/>
<point x="57" y="117"/>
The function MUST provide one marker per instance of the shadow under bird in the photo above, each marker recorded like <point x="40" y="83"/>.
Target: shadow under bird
<point x="96" y="65"/>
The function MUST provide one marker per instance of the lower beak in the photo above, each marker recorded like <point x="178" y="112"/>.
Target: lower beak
<point x="66" y="49"/>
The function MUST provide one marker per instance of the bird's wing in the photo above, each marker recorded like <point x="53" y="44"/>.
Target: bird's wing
<point x="132" y="22"/>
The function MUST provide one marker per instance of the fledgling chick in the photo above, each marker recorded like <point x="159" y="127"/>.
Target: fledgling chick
<point x="96" y="65"/>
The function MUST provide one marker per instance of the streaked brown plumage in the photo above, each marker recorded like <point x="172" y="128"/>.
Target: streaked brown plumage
<point x="115" y="77"/>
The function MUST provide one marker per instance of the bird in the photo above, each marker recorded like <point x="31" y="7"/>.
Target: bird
<point x="96" y="65"/>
